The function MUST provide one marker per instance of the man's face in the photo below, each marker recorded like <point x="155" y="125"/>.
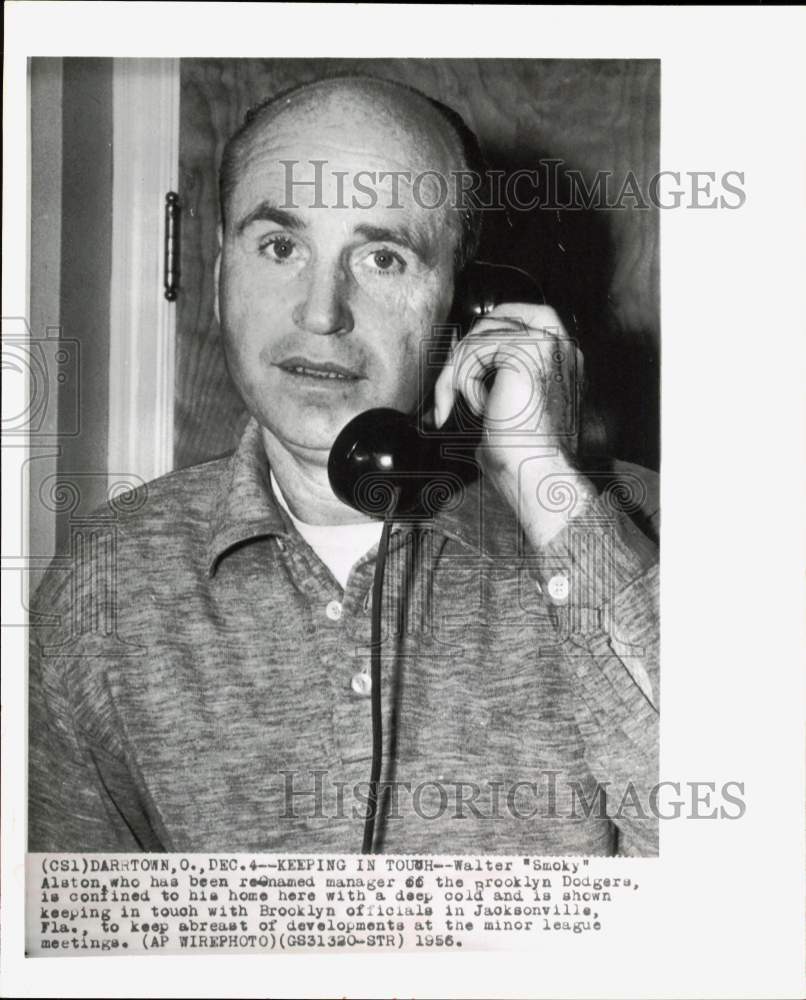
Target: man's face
<point x="324" y="307"/>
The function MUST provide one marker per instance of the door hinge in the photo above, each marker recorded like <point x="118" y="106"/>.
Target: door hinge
<point x="171" y="261"/>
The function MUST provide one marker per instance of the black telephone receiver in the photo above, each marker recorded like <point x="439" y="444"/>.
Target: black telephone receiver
<point x="380" y="461"/>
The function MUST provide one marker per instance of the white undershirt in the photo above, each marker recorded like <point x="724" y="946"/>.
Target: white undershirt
<point x="339" y="546"/>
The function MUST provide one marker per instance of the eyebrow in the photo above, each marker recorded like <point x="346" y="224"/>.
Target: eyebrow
<point x="268" y="212"/>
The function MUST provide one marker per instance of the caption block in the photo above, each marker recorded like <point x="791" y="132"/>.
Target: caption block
<point x="175" y="904"/>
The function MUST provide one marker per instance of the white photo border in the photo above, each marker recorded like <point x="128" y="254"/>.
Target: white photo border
<point x="723" y="910"/>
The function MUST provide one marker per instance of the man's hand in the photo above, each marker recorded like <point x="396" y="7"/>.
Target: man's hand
<point x="519" y="371"/>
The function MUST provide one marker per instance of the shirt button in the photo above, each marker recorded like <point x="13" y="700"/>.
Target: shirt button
<point x="333" y="611"/>
<point x="361" y="684"/>
<point x="559" y="588"/>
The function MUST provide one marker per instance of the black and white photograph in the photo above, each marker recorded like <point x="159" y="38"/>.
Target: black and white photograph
<point x="396" y="590"/>
<point x="345" y="383"/>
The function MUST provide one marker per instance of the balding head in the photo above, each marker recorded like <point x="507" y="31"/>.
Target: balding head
<point x="377" y="117"/>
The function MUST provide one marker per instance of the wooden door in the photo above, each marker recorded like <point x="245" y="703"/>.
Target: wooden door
<point x="599" y="267"/>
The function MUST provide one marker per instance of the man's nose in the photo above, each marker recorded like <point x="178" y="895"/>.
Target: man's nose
<point x="324" y="307"/>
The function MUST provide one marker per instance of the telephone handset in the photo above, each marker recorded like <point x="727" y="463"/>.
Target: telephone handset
<point x="379" y="462"/>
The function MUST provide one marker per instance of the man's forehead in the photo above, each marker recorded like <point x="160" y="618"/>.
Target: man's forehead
<point x="330" y="150"/>
<point x="312" y="179"/>
<point x="356" y="121"/>
<point x="374" y="187"/>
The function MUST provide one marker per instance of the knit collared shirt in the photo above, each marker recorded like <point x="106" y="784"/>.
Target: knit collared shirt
<point x="199" y="680"/>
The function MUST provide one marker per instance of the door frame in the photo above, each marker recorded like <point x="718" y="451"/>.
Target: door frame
<point x="142" y="323"/>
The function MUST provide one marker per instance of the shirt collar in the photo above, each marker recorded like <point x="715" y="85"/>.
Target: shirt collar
<point x="247" y="509"/>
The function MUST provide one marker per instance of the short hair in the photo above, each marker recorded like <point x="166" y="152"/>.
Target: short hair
<point x="470" y="214"/>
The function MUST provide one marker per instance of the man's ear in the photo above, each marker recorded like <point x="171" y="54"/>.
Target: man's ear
<point x="217" y="274"/>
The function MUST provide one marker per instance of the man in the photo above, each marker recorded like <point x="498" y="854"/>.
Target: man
<point x="229" y="708"/>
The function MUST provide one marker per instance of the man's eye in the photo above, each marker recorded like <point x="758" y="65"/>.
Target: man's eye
<point x="279" y="248"/>
<point x="387" y="261"/>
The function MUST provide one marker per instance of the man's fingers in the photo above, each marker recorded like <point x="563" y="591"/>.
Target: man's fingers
<point x="444" y="394"/>
<point x="464" y="374"/>
<point x="474" y="359"/>
<point x="525" y="348"/>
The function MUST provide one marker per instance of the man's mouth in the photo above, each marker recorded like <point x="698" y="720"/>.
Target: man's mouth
<point x="324" y="370"/>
